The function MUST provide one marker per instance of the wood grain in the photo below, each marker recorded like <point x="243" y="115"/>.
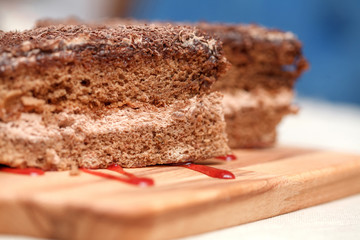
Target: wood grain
<point x="183" y="202"/>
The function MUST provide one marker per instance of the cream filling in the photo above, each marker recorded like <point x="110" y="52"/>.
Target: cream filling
<point x="255" y="99"/>
<point x="30" y="126"/>
<point x="262" y="33"/>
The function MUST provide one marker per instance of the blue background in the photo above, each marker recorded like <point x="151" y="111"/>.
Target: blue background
<point x="329" y="30"/>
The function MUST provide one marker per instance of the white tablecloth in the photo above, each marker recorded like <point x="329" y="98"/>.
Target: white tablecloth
<point x="322" y="125"/>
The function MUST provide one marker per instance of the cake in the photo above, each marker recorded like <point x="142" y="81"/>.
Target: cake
<point x="258" y="88"/>
<point x="74" y="95"/>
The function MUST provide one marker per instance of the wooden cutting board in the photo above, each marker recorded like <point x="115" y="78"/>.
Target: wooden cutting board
<point x="183" y="202"/>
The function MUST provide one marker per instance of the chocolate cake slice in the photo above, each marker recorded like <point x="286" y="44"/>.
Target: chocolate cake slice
<point x="258" y="88"/>
<point x="94" y="96"/>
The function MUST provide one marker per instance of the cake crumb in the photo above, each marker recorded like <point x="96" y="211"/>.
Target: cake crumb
<point x="51" y="157"/>
<point x="74" y="170"/>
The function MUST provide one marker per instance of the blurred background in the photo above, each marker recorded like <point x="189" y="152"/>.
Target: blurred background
<point x="329" y="29"/>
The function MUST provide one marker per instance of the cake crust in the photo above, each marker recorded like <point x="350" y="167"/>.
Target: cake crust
<point x="260" y="57"/>
<point x="93" y="69"/>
